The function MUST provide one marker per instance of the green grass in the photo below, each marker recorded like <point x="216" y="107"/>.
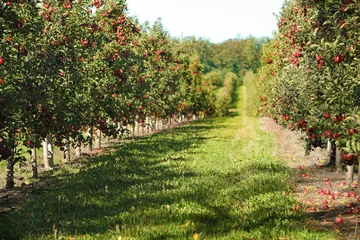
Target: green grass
<point x="215" y="177"/>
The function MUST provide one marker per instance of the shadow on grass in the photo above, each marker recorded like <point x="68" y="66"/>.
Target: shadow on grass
<point x="137" y="177"/>
<point x="148" y="189"/>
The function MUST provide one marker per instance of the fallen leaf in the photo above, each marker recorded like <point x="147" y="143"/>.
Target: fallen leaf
<point x="196" y="236"/>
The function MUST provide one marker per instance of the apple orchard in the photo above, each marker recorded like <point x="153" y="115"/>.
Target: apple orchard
<point x="310" y="76"/>
<point x="74" y="67"/>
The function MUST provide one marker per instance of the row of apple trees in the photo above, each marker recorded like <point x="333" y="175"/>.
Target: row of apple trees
<point x="67" y="67"/>
<point x="310" y="74"/>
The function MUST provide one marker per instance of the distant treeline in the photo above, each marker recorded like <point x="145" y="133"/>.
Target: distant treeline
<point x="234" y="55"/>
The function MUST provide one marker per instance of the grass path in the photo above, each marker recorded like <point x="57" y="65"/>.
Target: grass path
<point x="212" y="179"/>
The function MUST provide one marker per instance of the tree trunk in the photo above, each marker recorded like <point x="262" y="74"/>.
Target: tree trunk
<point x="50" y="151"/>
<point x="98" y="139"/>
<point x="45" y="153"/>
<point x="67" y="149"/>
<point x="349" y="174"/>
<point x="147" y="127"/>
<point x="328" y="150"/>
<point x="160" y="124"/>
<point x="338" y="159"/>
<point x="10" y="171"/>
<point x="78" y="147"/>
<point x="33" y="161"/>
<point x="137" y="129"/>
<point x="90" y="135"/>
<point x="133" y="130"/>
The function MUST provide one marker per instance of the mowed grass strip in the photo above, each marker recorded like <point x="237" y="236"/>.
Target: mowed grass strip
<point x="211" y="179"/>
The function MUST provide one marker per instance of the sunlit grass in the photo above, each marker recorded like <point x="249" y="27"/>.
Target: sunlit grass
<point x="215" y="177"/>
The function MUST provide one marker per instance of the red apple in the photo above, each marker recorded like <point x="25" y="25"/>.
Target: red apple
<point x="351" y="131"/>
<point x="326" y="115"/>
<point x="325" y="201"/>
<point x="313" y="208"/>
<point x="326" y="207"/>
<point x="357" y="210"/>
<point x="352" y="194"/>
<point x="338" y="59"/>
<point x="1" y="61"/>
<point x="339" y="220"/>
<point x="346" y="194"/>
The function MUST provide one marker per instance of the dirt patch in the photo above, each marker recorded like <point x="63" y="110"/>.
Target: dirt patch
<point x="321" y="192"/>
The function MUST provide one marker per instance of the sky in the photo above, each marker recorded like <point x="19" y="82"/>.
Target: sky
<point x="216" y="21"/>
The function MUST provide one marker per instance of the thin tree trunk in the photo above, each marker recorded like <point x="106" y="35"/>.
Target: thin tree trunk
<point x="10" y="171"/>
<point x="349" y="174"/>
<point x="98" y="139"/>
<point x="67" y="149"/>
<point x="137" y="129"/>
<point x="90" y="135"/>
<point x="45" y="153"/>
<point x="78" y="147"/>
<point x="328" y="150"/>
<point x="147" y="126"/>
<point x="50" y="151"/>
<point x="338" y="159"/>
<point x="161" y="124"/>
<point x="133" y="130"/>
<point x="33" y="161"/>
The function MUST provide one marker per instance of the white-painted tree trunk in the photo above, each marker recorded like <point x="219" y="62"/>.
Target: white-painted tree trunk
<point x="50" y="151"/>
<point x="338" y="160"/>
<point x="45" y="153"/>
<point x="67" y="151"/>
<point x="78" y="150"/>
<point x="328" y="150"/>
<point x="137" y="129"/>
<point x="349" y="174"/>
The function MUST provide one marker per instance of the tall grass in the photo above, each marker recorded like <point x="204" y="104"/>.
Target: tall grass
<point x="252" y="97"/>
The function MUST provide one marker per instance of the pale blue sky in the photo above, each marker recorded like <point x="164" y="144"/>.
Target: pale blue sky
<point x="213" y="20"/>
